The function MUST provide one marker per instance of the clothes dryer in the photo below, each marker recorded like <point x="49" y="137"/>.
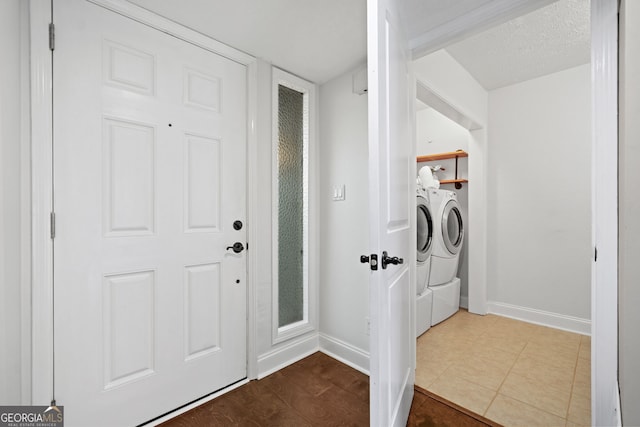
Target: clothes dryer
<point x="448" y="239"/>
<point x="448" y="236"/>
<point x="424" y="245"/>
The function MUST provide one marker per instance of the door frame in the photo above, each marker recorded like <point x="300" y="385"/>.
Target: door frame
<point x="605" y="406"/>
<point x="42" y="309"/>
<point x="605" y="390"/>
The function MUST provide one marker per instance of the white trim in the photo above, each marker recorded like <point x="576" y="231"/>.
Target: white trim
<point x="41" y="205"/>
<point x="604" y="181"/>
<point x="253" y="213"/>
<point x="42" y="351"/>
<point x="172" y="28"/>
<point x="25" y="208"/>
<point x="309" y="321"/>
<point x="195" y="404"/>
<point x="281" y="357"/>
<point x="432" y="98"/>
<point x="477" y="222"/>
<point x="346" y="353"/>
<point x="479" y="19"/>
<point x="540" y="317"/>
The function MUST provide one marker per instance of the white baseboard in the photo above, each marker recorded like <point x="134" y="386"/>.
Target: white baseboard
<point x="464" y="302"/>
<point x="346" y="353"/>
<point x="282" y="356"/>
<point x="539" y="317"/>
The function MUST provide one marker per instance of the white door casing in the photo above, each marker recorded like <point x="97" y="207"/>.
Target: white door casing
<point x="149" y="177"/>
<point x="391" y="210"/>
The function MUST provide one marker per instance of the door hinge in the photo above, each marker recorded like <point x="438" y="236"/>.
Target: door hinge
<point x="595" y="254"/>
<point x="52" y="36"/>
<point x="52" y="220"/>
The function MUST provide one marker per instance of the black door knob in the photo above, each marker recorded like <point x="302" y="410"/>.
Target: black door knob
<point x="386" y="260"/>
<point x="237" y="247"/>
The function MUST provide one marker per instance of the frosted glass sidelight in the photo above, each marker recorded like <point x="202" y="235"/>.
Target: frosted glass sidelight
<point x="291" y="206"/>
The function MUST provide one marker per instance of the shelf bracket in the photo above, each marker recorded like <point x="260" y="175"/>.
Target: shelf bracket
<point x="458" y="185"/>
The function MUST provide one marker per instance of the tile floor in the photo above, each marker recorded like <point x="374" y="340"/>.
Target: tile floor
<point x="511" y="372"/>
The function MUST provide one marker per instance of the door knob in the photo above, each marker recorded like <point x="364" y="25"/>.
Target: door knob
<point x="237" y="247"/>
<point x="386" y="260"/>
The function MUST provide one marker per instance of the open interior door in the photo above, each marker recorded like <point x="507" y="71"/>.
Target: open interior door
<point x="391" y="206"/>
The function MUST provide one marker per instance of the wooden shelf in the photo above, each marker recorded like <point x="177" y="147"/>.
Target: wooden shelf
<point x="442" y="156"/>
<point x="454" y="181"/>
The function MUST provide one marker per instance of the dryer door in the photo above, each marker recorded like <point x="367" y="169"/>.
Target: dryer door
<point x="452" y="227"/>
<point x="425" y="229"/>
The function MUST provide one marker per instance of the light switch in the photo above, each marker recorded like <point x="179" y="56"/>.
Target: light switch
<point x="338" y="193"/>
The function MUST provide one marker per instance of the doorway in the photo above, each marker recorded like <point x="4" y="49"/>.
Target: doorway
<point x="507" y="196"/>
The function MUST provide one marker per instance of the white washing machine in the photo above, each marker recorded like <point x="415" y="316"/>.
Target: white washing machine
<point x="445" y="255"/>
<point x="424" y="240"/>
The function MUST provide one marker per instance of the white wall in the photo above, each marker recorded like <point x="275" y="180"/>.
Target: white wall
<point x="629" y="204"/>
<point x="14" y="207"/>
<point x="441" y="74"/>
<point x="344" y="228"/>
<point x="436" y="133"/>
<point x="539" y="199"/>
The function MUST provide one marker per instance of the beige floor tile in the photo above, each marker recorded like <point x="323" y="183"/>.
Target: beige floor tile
<point x="512" y="344"/>
<point x="582" y="378"/>
<point x="449" y="349"/>
<point x="510" y="412"/>
<point x="467" y="330"/>
<point x="585" y="347"/>
<point x="579" y="410"/>
<point x="544" y="372"/>
<point x="536" y="393"/>
<point x="586" y="339"/>
<point x="541" y="374"/>
<point x="556" y="356"/>
<point x="471" y="324"/>
<point x="513" y="328"/>
<point x="505" y="357"/>
<point x="428" y="371"/>
<point x="465" y="393"/>
<point x="485" y="372"/>
<point x="557" y="339"/>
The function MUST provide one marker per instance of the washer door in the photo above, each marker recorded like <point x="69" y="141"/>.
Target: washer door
<point x="452" y="227"/>
<point x="425" y="229"/>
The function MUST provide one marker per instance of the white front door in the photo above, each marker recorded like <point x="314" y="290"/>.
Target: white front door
<point x="149" y="179"/>
<point x="392" y="203"/>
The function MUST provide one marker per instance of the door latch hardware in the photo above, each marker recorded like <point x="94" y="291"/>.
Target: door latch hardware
<point x="372" y="260"/>
<point x="237" y="225"/>
<point x="386" y="260"/>
<point x="237" y="247"/>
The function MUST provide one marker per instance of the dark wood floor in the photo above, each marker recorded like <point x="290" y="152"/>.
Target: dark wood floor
<point x="316" y="391"/>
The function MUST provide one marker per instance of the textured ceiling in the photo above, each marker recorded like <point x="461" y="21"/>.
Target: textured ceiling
<point x="550" y="39"/>
<point x="321" y="39"/>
